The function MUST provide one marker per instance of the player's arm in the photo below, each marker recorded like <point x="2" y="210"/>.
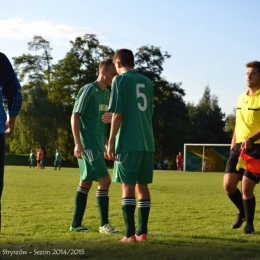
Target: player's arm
<point x="106" y="149"/>
<point x="75" y="127"/>
<point x="115" y="124"/>
<point x="251" y="140"/>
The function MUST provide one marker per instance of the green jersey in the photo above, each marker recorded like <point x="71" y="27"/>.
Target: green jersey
<point x="32" y="156"/>
<point x="132" y="96"/>
<point x="57" y="156"/>
<point x="92" y="102"/>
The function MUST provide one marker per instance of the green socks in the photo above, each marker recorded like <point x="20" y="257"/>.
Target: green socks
<point x="80" y="206"/>
<point x="103" y="204"/>
<point x="143" y="215"/>
<point x="128" y="210"/>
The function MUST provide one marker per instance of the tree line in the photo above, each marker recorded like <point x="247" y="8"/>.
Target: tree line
<point x="49" y="92"/>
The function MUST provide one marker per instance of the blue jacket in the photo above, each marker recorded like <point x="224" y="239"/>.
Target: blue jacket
<point x="10" y="90"/>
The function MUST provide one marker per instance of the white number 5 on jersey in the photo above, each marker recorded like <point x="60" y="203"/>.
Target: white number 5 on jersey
<point x="141" y="95"/>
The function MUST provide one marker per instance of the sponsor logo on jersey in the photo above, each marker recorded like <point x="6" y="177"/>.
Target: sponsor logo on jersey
<point x="103" y="107"/>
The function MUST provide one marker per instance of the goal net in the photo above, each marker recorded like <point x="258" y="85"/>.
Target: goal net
<point x="205" y="157"/>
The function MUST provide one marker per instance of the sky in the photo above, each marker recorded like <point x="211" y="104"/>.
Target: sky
<point x="209" y="41"/>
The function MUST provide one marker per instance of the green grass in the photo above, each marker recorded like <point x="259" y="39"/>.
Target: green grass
<point x="190" y="219"/>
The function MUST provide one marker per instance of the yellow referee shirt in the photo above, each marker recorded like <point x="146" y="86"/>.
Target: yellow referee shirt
<point x="247" y="116"/>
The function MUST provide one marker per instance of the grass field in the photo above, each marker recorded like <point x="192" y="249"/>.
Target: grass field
<point x="190" y="219"/>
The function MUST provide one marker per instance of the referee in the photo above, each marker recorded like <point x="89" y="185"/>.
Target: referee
<point x="246" y="135"/>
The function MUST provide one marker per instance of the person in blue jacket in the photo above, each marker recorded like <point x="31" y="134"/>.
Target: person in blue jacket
<point x="9" y="91"/>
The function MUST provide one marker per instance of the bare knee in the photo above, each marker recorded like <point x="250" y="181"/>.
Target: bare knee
<point x="248" y="188"/>
<point x="85" y="184"/>
<point x="230" y="182"/>
<point x="128" y="190"/>
<point x="229" y="188"/>
<point x="104" y="183"/>
<point x="247" y="194"/>
<point x="142" y="192"/>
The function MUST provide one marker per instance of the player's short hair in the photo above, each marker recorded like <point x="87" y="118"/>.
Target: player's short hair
<point x="105" y="64"/>
<point x="125" y="56"/>
<point x="253" y="64"/>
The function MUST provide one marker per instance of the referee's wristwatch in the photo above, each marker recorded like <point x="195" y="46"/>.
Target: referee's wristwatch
<point x="251" y="140"/>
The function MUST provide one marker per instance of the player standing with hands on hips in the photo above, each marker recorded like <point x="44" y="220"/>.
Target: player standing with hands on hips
<point x="131" y="142"/>
<point x="90" y="137"/>
<point x="10" y="90"/>
<point x="246" y="135"/>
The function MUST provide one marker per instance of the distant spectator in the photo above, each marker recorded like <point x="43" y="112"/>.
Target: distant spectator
<point x="165" y="164"/>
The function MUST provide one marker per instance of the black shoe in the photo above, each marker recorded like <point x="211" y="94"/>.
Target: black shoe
<point x="238" y="222"/>
<point x="249" y="229"/>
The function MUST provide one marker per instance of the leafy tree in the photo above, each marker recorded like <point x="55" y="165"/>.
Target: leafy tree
<point x="35" y="68"/>
<point x="207" y="122"/>
<point x="170" y="115"/>
<point x="230" y="125"/>
<point x="149" y="61"/>
<point x="34" y="125"/>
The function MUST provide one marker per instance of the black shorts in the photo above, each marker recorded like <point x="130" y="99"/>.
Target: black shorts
<point x="233" y="159"/>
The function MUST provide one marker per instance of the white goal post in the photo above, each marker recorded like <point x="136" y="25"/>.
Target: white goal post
<point x="205" y="157"/>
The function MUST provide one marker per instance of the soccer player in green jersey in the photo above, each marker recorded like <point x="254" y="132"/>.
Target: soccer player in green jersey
<point x="57" y="162"/>
<point x="32" y="159"/>
<point x="131" y="142"/>
<point x="90" y="137"/>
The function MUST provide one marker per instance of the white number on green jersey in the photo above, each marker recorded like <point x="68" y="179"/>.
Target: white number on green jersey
<point x="141" y="95"/>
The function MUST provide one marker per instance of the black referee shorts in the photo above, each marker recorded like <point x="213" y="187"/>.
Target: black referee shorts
<point x="233" y="160"/>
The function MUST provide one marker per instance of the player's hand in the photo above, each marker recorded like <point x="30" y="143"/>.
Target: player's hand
<point x="9" y="127"/>
<point x="105" y="152"/>
<point x="106" y="118"/>
<point x="247" y="144"/>
<point x="111" y="152"/>
<point x="79" y="151"/>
